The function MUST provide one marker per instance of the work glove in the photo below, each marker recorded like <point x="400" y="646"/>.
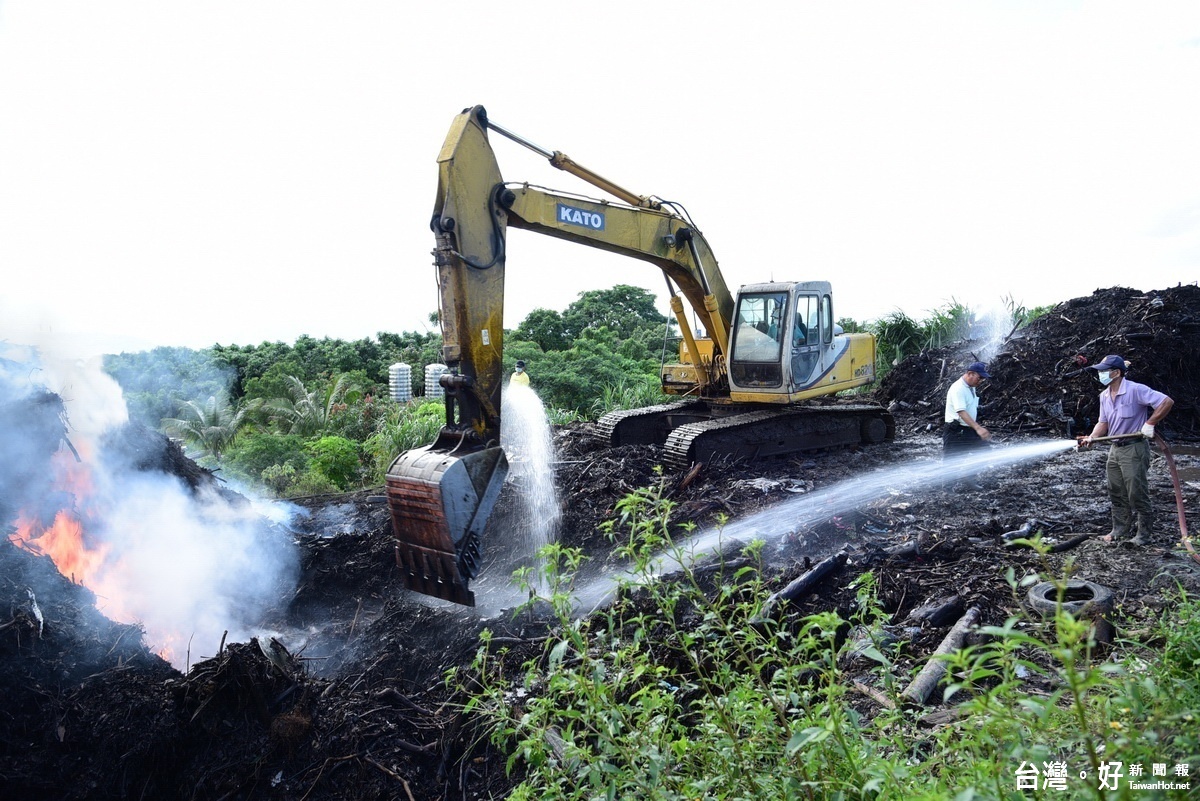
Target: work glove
<point x="1148" y="431"/>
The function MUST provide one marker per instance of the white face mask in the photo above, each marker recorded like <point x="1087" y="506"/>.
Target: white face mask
<point x="1105" y="377"/>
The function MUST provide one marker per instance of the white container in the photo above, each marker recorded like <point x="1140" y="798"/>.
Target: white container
<point x="432" y="373"/>
<point x="400" y="382"/>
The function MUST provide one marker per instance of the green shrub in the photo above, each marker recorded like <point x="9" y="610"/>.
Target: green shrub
<point x="251" y="454"/>
<point x="310" y="482"/>
<point x="335" y="459"/>
<point x="279" y="478"/>
<point x="403" y="427"/>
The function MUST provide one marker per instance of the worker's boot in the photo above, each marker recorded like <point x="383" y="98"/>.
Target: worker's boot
<point x="1122" y="524"/>
<point x="1145" y="530"/>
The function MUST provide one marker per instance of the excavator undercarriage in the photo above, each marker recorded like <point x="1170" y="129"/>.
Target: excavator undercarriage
<point x="696" y="431"/>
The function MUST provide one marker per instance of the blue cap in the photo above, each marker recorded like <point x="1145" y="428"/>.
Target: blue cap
<point x="1111" y="362"/>
<point x="979" y="367"/>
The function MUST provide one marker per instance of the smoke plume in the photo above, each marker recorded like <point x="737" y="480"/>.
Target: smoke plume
<point x="190" y="561"/>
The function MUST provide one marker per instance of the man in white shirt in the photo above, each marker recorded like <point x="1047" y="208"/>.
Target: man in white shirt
<point x="962" y="430"/>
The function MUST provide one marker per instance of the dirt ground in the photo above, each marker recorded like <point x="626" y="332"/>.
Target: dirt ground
<point x="342" y="696"/>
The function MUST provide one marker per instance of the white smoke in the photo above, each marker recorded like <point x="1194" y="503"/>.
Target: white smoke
<point x="192" y="568"/>
<point x="93" y="399"/>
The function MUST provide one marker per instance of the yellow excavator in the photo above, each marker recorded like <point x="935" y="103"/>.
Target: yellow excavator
<point x="756" y="375"/>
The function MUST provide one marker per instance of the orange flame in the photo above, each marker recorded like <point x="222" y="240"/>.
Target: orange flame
<point x="63" y="542"/>
<point x="66" y="542"/>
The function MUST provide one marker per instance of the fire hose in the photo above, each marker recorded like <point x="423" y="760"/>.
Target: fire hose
<point x="1162" y="444"/>
<point x="1183" y="529"/>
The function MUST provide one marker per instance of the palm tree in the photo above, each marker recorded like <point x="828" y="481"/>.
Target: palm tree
<point x="309" y="413"/>
<point x="211" y="427"/>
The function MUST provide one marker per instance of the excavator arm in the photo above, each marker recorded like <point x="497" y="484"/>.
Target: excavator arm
<point x="441" y="496"/>
<point x="786" y="350"/>
<point x="652" y="235"/>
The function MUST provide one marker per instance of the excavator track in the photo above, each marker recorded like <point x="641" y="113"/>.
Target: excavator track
<point x="648" y="425"/>
<point x="776" y="432"/>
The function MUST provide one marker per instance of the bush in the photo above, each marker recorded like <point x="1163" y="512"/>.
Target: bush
<point x="337" y="460"/>
<point x="251" y="454"/>
<point x="278" y="478"/>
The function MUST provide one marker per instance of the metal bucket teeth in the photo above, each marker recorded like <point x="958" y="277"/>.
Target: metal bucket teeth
<point x="439" y="505"/>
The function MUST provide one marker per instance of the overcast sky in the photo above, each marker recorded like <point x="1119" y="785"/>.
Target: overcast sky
<point x="236" y="172"/>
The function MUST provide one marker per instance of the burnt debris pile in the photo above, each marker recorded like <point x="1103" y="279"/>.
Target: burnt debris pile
<point x="1040" y="383"/>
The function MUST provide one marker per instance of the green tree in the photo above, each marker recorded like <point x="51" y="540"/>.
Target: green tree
<point x="211" y="427"/>
<point x="622" y="309"/>
<point x="574" y="378"/>
<point x="250" y="361"/>
<point x="545" y="327"/>
<point x="274" y="381"/>
<point x="310" y="412"/>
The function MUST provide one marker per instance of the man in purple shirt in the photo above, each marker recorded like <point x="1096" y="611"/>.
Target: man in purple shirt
<point x="1127" y="407"/>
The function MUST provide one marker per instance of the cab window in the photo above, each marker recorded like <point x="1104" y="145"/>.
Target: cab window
<point x="759" y="334"/>
<point x="806" y="330"/>
<point x="827" y="319"/>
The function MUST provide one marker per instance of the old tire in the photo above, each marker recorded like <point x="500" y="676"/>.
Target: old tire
<point x="1043" y="597"/>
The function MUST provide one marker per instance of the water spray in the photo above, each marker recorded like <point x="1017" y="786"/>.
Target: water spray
<point x="784" y="519"/>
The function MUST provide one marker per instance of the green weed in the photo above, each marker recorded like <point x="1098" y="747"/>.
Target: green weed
<point x="680" y="689"/>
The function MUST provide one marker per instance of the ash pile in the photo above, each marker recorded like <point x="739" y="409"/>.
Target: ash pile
<point x="1040" y="382"/>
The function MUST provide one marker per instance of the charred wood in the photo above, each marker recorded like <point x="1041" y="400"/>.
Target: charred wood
<point x="803" y="585"/>
<point x="918" y="691"/>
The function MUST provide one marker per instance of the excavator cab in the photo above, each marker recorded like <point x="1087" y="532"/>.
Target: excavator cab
<point x="786" y="346"/>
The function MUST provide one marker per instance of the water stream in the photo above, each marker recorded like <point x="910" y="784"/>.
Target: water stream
<point x="783" y="519"/>
<point x="529" y="445"/>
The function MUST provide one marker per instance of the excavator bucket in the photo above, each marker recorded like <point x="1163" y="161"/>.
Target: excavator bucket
<point x="440" y="502"/>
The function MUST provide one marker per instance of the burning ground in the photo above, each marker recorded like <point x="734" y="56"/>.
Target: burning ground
<point x="317" y="676"/>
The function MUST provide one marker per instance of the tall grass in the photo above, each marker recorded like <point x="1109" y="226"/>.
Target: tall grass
<point x="630" y="392"/>
<point x="898" y="336"/>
